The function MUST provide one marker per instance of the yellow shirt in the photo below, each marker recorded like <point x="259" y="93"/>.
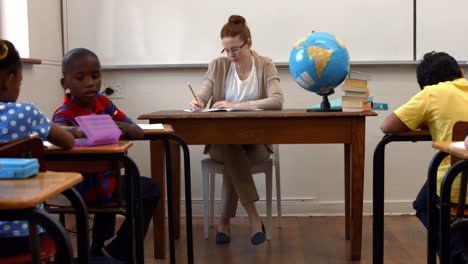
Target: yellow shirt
<point x="441" y="106"/>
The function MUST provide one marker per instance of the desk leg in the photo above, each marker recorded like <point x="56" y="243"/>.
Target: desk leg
<point x="357" y="184"/>
<point x="175" y="165"/>
<point x="347" y="175"/>
<point x="159" y="215"/>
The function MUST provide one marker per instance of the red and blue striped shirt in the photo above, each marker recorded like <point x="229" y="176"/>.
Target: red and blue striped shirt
<point x="97" y="188"/>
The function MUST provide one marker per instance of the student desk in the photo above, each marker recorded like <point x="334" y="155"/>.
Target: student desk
<point x="277" y="127"/>
<point x="445" y="204"/>
<point x="379" y="186"/>
<point x="101" y="158"/>
<point x="18" y="198"/>
<point x="165" y="138"/>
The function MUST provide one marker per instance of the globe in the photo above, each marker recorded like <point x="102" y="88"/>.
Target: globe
<point x="319" y="63"/>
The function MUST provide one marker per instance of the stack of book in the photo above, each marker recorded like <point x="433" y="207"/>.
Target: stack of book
<point x="356" y="93"/>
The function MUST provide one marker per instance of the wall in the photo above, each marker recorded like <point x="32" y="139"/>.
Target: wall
<point x="41" y="83"/>
<point x="312" y="175"/>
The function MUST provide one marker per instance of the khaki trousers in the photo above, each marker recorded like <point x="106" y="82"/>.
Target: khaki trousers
<point x="237" y="179"/>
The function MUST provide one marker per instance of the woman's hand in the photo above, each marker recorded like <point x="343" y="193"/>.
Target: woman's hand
<point x="225" y="104"/>
<point x="196" y="106"/>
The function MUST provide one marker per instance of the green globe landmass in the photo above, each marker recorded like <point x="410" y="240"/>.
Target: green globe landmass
<point x="321" y="57"/>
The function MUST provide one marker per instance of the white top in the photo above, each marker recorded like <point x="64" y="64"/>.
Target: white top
<point x="241" y="91"/>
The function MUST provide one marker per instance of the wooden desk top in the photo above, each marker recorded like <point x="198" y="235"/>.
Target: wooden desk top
<point x="445" y="147"/>
<point x="121" y="147"/>
<point x="27" y="193"/>
<point x="286" y="113"/>
<point x="167" y="130"/>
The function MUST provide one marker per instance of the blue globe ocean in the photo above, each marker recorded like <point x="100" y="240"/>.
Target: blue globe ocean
<point x="319" y="63"/>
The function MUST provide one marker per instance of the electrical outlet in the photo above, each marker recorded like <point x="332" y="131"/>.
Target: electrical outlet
<point x="117" y="87"/>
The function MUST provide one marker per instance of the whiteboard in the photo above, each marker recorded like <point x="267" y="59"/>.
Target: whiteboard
<point x="160" y="32"/>
<point x="442" y="27"/>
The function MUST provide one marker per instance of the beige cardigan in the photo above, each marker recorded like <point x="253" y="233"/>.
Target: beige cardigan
<point x="271" y="95"/>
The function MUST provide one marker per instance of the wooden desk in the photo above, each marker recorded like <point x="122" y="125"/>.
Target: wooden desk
<point x="101" y="158"/>
<point x="19" y="197"/>
<point x="275" y="127"/>
<point x="379" y="186"/>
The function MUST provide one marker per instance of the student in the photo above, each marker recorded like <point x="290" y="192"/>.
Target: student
<point x="82" y="77"/>
<point x="17" y="121"/>
<point x="466" y="143"/>
<point x="442" y="102"/>
<point x="242" y="79"/>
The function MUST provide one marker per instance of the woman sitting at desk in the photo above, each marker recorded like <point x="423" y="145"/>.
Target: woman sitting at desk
<point x="243" y="79"/>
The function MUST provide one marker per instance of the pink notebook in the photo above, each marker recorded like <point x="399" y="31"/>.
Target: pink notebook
<point x="100" y="130"/>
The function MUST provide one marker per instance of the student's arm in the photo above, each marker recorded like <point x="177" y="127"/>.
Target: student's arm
<point x="74" y="130"/>
<point x="60" y="137"/>
<point x="393" y="125"/>
<point x="410" y="116"/>
<point x="466" y="143"/>
<point x="130" y="130"/>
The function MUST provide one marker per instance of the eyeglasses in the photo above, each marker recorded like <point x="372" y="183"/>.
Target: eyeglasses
<point x="233" y="50"/>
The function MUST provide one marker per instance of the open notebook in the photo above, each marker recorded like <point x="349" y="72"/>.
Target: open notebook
<point x="225" y="110"/>
<point x="100" y="130"/>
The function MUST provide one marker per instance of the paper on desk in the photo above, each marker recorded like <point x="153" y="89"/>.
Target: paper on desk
<point x="151" y="126"/>
<point x="458" y="145"/>
<point x="47" y="143"/>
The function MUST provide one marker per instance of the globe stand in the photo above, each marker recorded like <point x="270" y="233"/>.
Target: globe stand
<point x="325" y="106"/>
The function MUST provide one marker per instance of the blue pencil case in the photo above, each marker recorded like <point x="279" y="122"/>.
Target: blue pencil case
<point x="18" y="168"/>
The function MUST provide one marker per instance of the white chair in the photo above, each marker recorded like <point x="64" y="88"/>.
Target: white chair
<point x="211" y="167"/>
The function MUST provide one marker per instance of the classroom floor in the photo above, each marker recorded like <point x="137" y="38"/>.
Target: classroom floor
<point x="302" y="240"/>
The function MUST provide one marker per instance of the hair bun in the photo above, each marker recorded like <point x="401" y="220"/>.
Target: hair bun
<point x="3" y="50"/>
<point x="236" y="19"/>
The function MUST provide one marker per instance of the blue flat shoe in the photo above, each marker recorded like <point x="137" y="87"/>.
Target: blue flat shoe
<point x="222" y="238"/>
<point x="259" y="237"/>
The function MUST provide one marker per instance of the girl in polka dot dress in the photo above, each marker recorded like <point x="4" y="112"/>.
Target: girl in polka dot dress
<point x="17" y="121"/>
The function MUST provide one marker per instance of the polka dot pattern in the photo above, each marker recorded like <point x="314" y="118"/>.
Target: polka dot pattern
<point x="20" y="120"/>
<point x="17" y="228"/>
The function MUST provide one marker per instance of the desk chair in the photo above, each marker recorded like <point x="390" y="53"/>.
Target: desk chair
<point x="451" y="216"/>
<point x="210" y="168"/>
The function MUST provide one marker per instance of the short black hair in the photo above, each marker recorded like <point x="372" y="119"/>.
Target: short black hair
<point x="10" y="61"/>
<point x="437" y="67"/>
<point x="75" y="54"/>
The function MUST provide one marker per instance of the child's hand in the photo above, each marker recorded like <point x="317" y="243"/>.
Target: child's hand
<point x="130" y="130"/>
<point x="77" y="132"/>
<point x="123" y="127"/>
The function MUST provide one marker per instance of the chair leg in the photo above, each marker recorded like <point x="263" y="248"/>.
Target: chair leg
<point x="62" y="219"/>
<point x="268" y="180"/>
<point x="212" y="198"/>
<point x="278" y="195"/>
<point x="206" y="209"/>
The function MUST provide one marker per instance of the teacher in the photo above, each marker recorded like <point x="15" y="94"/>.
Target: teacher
<point x="242" y="79"/>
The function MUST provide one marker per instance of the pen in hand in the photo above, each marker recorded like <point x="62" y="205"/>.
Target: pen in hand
<point x="191" y="90"/>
